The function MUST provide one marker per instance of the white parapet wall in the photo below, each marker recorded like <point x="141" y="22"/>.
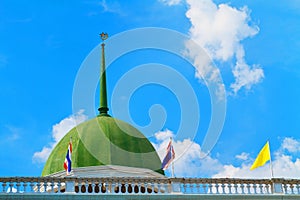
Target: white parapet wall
<point x="148" y="186"/>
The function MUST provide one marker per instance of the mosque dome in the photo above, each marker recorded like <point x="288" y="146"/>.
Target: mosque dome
<point x="104" y="141"/>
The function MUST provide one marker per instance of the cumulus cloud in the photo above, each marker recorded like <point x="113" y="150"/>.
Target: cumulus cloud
<point x="189" y="162"/>
<point x="220" y="30"/>
<point x="245" y="76"/>
<point x="242" y="156"/>
<point x="291" y="145"/>
<point x="58" y="132"/>
<point x="188" y="156"/>
<point x="284" y="165"/>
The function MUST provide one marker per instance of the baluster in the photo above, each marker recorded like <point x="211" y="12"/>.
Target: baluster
<point x="31" y="187"/>
<point x="93" y="185"/>
<point x="52" y="186"/>
<point x="4" y="187"/>
<point x="261" y="188"/>
<point x="140" y="185"/>
<point x="191" y="187"/>
<point x="24" y="186"/>
<point x="126" y="187"/>
<point x="184" y="187"/>
<point x="235" y="186"/>
<point x="204" y="185"/>
<point x="107" y="186"/>
<point x="210" y="186"/>
<point x="230" y="185"/>
<point x="133" y="184"/>
<point x="164" y="187"/>
<point x="198" y="188"/>
<point x="292" y="188"/>
<point x="298" y="188"/>
<point x="79" y="186"/>
<point x="45" y="186"/>
<point x="269" y="189"/>
<point x="10" y="187"/>
<point x="86" y="185"/>
<point x="146" y="186"/>
<point x="243" y="185"/>
<point x="122" y="187"/>
<point x="152" y="187"/>
<point x="18" y="187"/>
<point x="170" y="185"/>
<point x="38" y="185"/>
<point x="101" y="186"/>
<point x="223" y="188"/>
<point x="248" y="188"/>
<point x="217" y="188"/>
<point x="159" y="185"/>
<point x="285" y="188"/>
<point x="113" y="186"/>
<point x="255" y="188"/>
<point x="58" y="186"/>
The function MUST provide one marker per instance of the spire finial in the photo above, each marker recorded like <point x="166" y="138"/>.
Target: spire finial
<point x="103" y="94"/>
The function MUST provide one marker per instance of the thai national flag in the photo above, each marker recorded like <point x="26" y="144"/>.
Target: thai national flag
<point x="169" y="157"/>
<point x="68" y="159"/>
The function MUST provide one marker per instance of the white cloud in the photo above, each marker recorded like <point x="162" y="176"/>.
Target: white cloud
<point x="171" y="2"/>
<point x="112" y="7"/>
<point x="245" y="76"/>
<point x="291" y="145"/>
<point x="242" y="156"/>
<point x="42" y="156"/>
<point x="284" y="165"/>
<point x="190" y="163"/>
<point x="220" y="30"/>
<point x="164" y="135"/>
<point x="58" y="132"/>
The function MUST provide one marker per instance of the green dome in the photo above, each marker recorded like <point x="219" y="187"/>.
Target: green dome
<point x="104" y="141"/>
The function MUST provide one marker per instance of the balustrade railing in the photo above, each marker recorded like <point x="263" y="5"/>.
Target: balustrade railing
<point x="73" y="185"/>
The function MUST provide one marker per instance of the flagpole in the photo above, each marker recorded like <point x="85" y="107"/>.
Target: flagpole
<point x="271" y="165"/>
<point x="172" y="169"/>
<point x="172" y="159"/>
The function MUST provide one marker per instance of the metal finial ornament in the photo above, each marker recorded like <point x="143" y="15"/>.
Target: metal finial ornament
<point x="103" y="36"/>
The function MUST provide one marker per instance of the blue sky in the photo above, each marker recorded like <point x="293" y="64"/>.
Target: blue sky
<point x="43" y="44"/>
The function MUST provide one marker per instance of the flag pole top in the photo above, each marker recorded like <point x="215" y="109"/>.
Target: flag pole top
<point x="103" y="36"/>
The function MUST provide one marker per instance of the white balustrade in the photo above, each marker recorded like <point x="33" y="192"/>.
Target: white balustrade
<point x="153" y="186"/>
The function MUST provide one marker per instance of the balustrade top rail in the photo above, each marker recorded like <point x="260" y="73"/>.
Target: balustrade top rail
<point x="129" y="185"/>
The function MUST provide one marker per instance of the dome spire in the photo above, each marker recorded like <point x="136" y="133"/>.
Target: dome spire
<point x="103" y="94"/>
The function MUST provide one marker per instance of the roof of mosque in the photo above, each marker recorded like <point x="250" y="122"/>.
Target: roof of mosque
<point x="104" y="141"/>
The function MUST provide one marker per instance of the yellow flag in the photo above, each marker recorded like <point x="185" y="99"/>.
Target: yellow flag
<point x="263" y="157"/>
